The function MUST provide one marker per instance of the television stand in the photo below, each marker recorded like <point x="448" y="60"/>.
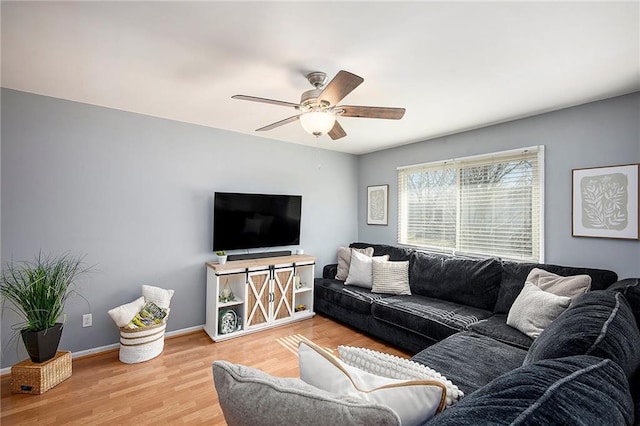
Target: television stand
<point x="248" y="296"/>
<point x="259" y="255"/>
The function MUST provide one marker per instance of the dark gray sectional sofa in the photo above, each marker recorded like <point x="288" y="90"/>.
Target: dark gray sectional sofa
<point x="582" y="369"/>
<point x="448" y="295"/>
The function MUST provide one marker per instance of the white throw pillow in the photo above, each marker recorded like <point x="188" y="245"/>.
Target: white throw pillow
<point x="344" y="260"/>
<point x="534" y="309"/>
<point x="125" y="313"/>
<point x="570" y="286"/>
<point x="415" y="401"/>
<point x="360" y="269"/>
<point x="390" y="277"/>
<point x="394" y="367"/>
<point x="157" y="295"/>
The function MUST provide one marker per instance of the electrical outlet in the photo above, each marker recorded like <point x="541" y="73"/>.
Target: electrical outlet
<point x="87" y="320"/>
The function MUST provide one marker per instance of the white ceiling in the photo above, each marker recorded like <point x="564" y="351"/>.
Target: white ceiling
<point x="453" y="65"/>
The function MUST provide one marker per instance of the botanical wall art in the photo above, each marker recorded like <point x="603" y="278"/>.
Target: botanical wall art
<point x="377" y="205"/>
<point x="605" y="202"/>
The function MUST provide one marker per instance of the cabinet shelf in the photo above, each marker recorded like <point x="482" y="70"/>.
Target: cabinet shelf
<point x="230" y="303"/>
<point x="303" y="289"/>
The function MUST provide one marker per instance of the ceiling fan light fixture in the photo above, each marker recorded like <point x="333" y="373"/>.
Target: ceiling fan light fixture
<point x="317" y="122"/>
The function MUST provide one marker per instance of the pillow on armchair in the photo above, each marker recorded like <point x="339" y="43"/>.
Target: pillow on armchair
<point x="252" y="397"/>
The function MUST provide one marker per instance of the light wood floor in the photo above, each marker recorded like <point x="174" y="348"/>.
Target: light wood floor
<point x="174" y="388"/>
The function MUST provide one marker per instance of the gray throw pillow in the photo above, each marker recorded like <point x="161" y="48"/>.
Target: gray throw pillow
<point x="344" y="260"/>
<point x="251" y="397"/>
<point x="534" y="309"/>
<point x="570" y="286"/>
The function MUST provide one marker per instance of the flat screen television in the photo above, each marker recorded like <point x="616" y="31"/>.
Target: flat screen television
<point x="244" y="221"/>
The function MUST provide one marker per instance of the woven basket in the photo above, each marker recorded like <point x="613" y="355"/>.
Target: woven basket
<point x="141" y="344"/>
<point x="37" y="378"/>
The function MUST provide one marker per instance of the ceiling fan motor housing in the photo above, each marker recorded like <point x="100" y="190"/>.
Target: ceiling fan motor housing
<point x="309" y="100"/>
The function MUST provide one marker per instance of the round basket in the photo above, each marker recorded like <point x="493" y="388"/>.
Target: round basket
<point x="141" y="344"/>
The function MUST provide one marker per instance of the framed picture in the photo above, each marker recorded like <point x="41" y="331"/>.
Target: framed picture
<point x="605" y="202"/>
<point x="378" y="205"/>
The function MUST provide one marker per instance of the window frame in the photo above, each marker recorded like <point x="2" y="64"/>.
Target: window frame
<point x="537" y="196"/>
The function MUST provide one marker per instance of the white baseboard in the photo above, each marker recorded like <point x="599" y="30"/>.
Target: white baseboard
<point x="106" y="348"/>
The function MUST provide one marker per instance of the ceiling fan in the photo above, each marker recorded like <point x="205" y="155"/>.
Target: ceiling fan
<point x="319" y="107"/>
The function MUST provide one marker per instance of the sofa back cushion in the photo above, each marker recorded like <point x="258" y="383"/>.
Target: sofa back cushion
<point x="395" y="253"/>
<point x="630" y="287"/>
<point x="472" y="282"/>
<point x="515" y="274"/>
<point x="581" y="389"/>
<point x="599" y="323"/>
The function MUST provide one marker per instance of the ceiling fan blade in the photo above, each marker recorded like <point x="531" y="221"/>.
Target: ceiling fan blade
<point x="342" y="84"/>
<point x="337" y="131"/>
<point x="372" y="112"/>
<point x="265" y="100"/>
<point x="279" y="123"/>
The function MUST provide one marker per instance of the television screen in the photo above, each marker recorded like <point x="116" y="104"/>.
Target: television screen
<point x="243" y="221"/>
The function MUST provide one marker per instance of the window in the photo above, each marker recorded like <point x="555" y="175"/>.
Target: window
<point x="488" y="205"/>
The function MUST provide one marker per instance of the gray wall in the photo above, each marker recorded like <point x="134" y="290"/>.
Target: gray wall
<point x="134" y="193"/>
<point x="597" y="134"/>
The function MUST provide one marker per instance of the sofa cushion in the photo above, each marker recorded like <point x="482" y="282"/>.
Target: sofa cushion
<point x="344" y="260"/>
<point x="429" y="317"/>
<point x="534" y="309"/>
<point x="471" y="282"/>
<point x="582" y="390"/>
<point x="515" y="274"/>
<point x="355" y="299"/>
<point x="391" y="277"/>
<point x="496" y="327"/>
<point x="415" y="401"/>
<point x="571" y="286"/>
<point x="395" y="253"/>
<point x="249" y="396"/>
<point x="630" y="287"/>
<point x="599" y="323"/>
<point x="360" y="273"/>
<point x="470" y="360"/>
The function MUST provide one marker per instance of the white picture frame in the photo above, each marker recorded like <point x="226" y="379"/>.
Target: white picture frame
<point x="605" y="202"/>
<point x="378" y="205"/>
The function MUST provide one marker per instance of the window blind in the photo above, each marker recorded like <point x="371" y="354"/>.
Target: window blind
<point x="486" y="205"/>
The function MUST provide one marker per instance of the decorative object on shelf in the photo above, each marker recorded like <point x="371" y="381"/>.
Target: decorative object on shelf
<point x="377" y="205"/>
<point x="301" y="307"/>
<point x="38" y="290"/>
<point x="226" y="295"/>
<point x="228" y="321"/>
<point x="605" y="202"/>
<point x="297" y="283"/>
<point x="222" y="257"/>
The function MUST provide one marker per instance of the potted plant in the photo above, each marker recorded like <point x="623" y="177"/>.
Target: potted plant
<point x="222" y="257"/>
<point x="38" y="291"/>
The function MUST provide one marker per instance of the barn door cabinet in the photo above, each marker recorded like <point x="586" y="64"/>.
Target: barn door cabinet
<point x="247" y="296"/>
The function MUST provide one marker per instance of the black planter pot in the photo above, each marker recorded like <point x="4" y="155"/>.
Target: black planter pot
<point x="42" y="345"/>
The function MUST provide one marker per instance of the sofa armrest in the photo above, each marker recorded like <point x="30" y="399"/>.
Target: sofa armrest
<point x="330" y="271"/>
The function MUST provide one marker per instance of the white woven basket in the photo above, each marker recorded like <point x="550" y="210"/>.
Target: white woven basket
<point x="141" y="344"/>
